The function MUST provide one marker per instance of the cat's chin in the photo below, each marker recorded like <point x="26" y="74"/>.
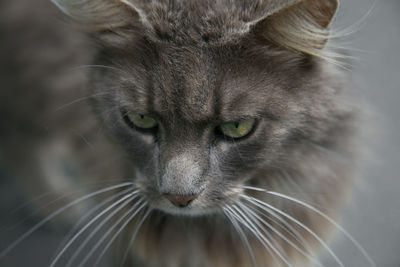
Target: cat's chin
<point x="188" y="212"/>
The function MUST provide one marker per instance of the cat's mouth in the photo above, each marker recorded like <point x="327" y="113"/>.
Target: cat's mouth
<point x="190" y="205"/>
<point x="204" y="199"/>
<point x="206" y="202"/>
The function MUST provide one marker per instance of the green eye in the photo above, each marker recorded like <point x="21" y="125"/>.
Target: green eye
<point x="140" y="121"/>
<point x="237" y="129"/>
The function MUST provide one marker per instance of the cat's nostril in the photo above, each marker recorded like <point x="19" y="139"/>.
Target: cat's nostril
<point x="180" y="200"/>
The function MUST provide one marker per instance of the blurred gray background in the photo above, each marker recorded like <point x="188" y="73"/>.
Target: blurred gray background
<point x="373" y="216"/>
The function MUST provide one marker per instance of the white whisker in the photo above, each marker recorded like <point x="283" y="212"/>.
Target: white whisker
<point x="326" y="217"/>
<point x="98" y="227"/>
<point x="242" y="236"/>
<point x="80" y="100"/>
<point x="90" y="253"/>
<point x="54" y="214"/>
<point x="287" y="227"/>
<point x="302" y="252"/>
<point x="97" y="66"/>
<point x="48" y="203"/>
<point x="279" y="251"/>
<point x="263" y="240"/>
<point x="117" y="233"/>
<point x="329" y="219"/>
<point x="134" y="235"/>
<point x="130" y="198"/>
<point x="267" y="207"/>
<point x="90" y="213"/>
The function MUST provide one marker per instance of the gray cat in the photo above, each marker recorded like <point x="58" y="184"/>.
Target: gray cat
<point x="218" y="121"/>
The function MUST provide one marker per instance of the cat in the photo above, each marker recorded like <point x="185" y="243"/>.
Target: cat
<point x="221" y="121"/>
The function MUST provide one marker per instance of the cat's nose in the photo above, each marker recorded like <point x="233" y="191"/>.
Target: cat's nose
<point x="180" y="200"/>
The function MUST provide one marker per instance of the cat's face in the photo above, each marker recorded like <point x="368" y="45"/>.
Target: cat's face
<point x="206" y="96"/>
<point x="200" y="121"/>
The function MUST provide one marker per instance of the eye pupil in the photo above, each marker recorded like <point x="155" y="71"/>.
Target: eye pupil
<point x="237" y="129"/>
<point x="139" y="121"/>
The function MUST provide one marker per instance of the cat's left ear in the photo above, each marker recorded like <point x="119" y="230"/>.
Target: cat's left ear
<point x="299" y="25"/>
<point x="106" y="19"/>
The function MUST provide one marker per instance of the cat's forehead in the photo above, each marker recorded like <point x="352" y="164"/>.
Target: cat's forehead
<point x="186" y="83"/>
<point x="200" y="84"/>
<point x="202" y="21"/>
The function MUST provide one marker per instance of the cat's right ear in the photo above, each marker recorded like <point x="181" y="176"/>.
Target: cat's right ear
<point x="108" y="20"/>
<point x="298" y="25"/>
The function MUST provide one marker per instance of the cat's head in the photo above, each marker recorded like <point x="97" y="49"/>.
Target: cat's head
<point x="209" y="95"/>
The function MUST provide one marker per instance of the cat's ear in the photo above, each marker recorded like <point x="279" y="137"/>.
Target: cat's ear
<point x="299" y="25"/>
<point x="106" y="18"/>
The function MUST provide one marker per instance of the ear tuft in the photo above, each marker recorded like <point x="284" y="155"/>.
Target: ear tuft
<point x="101" y="15"/>
<point x="301" y="26"/>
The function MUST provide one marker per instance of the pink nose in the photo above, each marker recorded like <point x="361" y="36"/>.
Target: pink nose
<point x="180" y="200"/>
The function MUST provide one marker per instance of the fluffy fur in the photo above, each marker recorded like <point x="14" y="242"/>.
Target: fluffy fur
<point x="193" y="65"/>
